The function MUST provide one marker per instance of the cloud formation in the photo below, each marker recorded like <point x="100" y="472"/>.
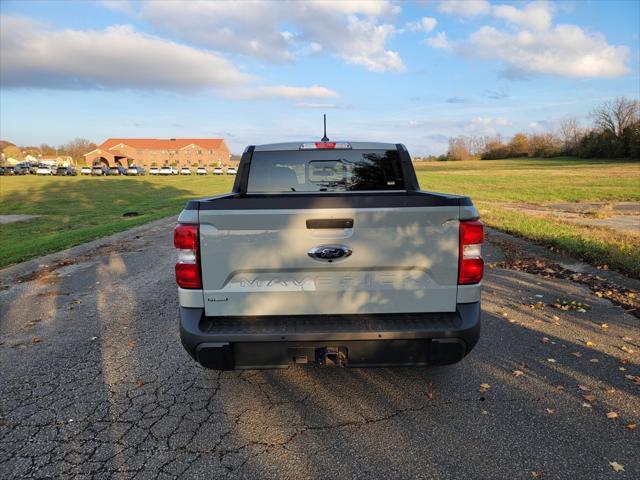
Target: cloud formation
<point x="531" y="44"/>
<point x="119" y="57"/>
<point x="350" y="30"/>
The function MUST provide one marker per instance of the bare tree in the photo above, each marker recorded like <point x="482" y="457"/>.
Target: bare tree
<point x="78" y="147"/>
<point x="615" y="115"/>
<point x="571" y="133"/>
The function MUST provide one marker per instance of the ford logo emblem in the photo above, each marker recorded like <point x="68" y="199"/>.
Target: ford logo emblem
<point x="330" y="253"/>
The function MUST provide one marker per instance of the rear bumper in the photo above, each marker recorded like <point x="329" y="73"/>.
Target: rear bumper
<point x="365" y="340"/>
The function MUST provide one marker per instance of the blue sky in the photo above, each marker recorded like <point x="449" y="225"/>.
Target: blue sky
<point x="257" y="72"/>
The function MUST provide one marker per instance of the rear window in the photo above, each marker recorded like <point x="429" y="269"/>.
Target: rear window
<point x="325" y="171"/>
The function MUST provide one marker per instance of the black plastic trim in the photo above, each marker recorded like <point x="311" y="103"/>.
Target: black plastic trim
<point x="319" y="223"/>
<point x="408" y="172"/>
<point x="332" y="200"/>
<point x="242" y="176"/>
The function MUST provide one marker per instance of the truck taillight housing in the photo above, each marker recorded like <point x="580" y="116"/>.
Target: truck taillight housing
<point x="471" y="265"/>
<point x="185" y="239"/>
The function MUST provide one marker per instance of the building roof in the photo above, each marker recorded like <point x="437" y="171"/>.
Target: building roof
<point x="162" y="143"/>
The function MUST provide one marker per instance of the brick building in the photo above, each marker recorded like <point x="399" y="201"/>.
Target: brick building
<point x="147" y="152"/>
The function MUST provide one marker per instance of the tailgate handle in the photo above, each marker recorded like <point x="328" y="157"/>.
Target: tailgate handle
<point x="330" y="223"/>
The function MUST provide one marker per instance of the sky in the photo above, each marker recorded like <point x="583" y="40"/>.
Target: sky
<point x="260" y="72"/>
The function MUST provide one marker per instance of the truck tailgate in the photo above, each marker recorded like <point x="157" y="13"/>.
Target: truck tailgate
<point x="257" y="262"/>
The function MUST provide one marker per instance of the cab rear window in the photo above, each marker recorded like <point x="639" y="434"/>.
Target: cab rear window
<point x="325" y="171"/>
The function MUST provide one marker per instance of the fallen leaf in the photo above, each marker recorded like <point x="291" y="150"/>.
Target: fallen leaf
<point x="631" y="426"/>
<point x="551" y="360"/>
<point x="586" y="405"/>
<point x="93" y="338"/>
<point x="576" y="354"/>
<point x="612" y="415"/>
<point x="483" y="412"/>
<point x="589" y="343"/>
<point x="617" y="467"/>
<point x="544" y="340"/>
<point x="604" y="326"/>
<point x="484" y="387"/>
<point x="556" y="318"/>
<point x="551" y="411"/>
<point x="594" y="360"/>
<point x="35" y="340"/>
<point x="560" y="388"/>
<point x="589" y="397"/>
<point x="517" y="373"/>
<point x="584" y="388"/>
<point x="140" y="383"/>
<point x="536" y="474"/>
<point x="630" y="351"/>
<point x="431" y="395"/>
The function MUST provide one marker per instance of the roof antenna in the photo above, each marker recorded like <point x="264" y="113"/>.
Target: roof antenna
<point x="325" y="138"/>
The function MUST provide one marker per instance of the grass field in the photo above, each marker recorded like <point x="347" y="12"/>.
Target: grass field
<point x="495" y="184"/>
<point x="78" y="209"/>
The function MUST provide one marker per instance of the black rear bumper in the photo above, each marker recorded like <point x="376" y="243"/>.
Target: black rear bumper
<point x="360" y="340"/>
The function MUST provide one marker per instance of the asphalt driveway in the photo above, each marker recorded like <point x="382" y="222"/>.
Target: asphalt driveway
<point x="94" y="383"/>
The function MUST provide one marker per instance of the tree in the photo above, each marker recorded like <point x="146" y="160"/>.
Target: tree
<point x="48" y="149"/>
<point x="519" y="145"/>
<point x="613" y="116"/>
<point x="78" y="147"/>
<point x="12" y="152"/>
<point x="544" y="145"/>
<point x="571" y="134"/>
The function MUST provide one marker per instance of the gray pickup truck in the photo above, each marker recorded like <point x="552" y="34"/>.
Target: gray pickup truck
<point x="328" y="253"/>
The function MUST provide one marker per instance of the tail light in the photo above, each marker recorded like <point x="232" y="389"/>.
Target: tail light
<point x="471" y="265"/>
<point x="185" y="239"/>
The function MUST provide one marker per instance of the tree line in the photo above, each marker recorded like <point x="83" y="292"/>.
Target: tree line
<point x="75" y="149"/>
<point x="614" y="133"/>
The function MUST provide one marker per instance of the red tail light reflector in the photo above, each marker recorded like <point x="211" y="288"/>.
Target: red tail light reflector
<point x="185" y="239"/>
<point x="470" y="263"/>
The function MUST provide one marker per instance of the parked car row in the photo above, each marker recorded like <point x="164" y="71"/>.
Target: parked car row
<point x="103" y="170"/>
<point x="36" y="169"/>
<point x="169" y="170"/>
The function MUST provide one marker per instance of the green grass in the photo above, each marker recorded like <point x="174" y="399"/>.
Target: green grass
<point x="494" y="183"/>
<point x="79" y="209"/>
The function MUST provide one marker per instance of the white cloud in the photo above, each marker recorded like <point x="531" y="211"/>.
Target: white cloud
<point x="464" y="8"/>
<point x="565" y="50"/>
<point x="499" y="121"/>
<point x="349" y="30"/>
<point x="295" y="93"/>
<point x="535" y="15"/>
<point x="120" y="57"/>
<point x="439" y="41"/>
<point x="425" y="24"/>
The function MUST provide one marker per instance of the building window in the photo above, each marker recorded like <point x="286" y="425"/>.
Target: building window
<point x="210" y="152"/>
<point x="199" y="152"/>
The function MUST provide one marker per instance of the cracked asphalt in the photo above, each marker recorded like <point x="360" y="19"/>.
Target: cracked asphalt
<point x="94" y="383"/>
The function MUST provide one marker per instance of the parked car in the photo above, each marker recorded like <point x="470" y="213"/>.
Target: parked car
<point x="175" y="171"/>
<point x="44" y="170"/>
<point x="8" y="170"/>
<point x="100" y="170"/>
<point x="135" y="170"/>
<point x="166" y="170"/>
<point x="154" y="171"/>
<point x="21" y="169"/>
<point x="185" y="171"/>
<point x="85" y="170"/>
<point x="117" y="170"/>
<point x="218" y="171"/>
<point x="274" y="282"/>
<point x="231" y="171"/>
<point x="201" y="171"/>
<point x="70" y="171"/>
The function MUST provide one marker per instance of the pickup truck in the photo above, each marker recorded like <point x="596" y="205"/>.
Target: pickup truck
<point x="328" y="253"/>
